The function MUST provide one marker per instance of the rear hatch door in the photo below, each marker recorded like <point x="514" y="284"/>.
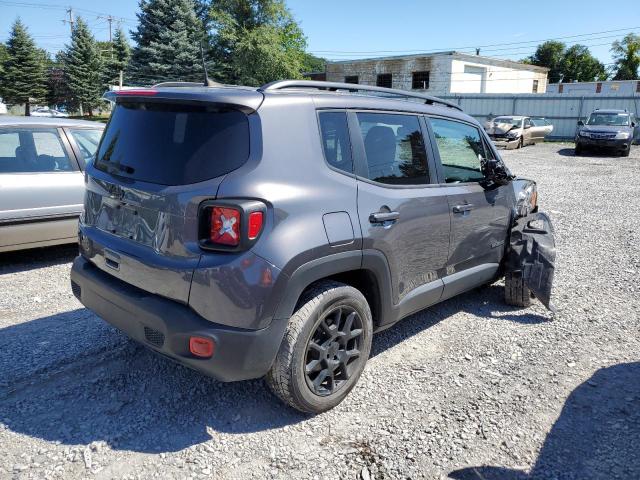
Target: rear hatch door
<point x="158" y="160"/>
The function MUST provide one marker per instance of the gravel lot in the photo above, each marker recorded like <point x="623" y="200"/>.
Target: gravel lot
<point x="470" y="388"/>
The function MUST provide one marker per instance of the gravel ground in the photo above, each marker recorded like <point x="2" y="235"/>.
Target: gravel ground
<point x="469" y="389"/>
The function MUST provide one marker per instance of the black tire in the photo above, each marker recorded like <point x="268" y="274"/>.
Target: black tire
<point x="516" y="293"/>
<point x="520" y="143"/>
<point x="291" y="377"/>
<point x="626" y="152"/>
<point x="578" y="150"/>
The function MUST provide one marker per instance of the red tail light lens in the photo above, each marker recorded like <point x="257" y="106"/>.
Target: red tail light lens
<point x="225" y="226"/>
<point x="255" y="224"/>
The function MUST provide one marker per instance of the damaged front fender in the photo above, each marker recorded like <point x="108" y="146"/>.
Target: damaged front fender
<point x="532" y="254"/>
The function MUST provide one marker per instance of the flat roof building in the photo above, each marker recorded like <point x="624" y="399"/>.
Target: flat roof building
<point x="441" y="73"/>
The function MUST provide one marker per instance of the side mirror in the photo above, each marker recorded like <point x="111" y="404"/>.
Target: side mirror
<point x="580" y="123"/>
<point x="496" y="172"/>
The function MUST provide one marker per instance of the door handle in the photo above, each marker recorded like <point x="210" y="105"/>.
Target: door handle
<point x="462" y="208"/>
<point x="381" y="217"/>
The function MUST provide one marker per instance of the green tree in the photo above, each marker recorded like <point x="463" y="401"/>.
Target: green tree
<point x="116" y="58"/>
<point x="256" y="41"/>
<point x="23" y="71"/>
<point x="58" y="92"/>
<point x="549" y="54"/>
<point x="311" y="63"/>
<point x="3" y="57"/>
<point x="168" y="41"/>
<point x="579" y="65"/>
<point x="626" y="53"/>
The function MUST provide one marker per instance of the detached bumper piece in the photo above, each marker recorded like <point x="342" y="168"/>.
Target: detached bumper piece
<point x="532" y="254"/>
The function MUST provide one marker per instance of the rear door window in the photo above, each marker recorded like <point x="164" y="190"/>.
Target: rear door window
<point x="461" y="150"/>
<point x="394" y="148"/>
<point x="24" y="150"/>
<point x="173" y="144"/>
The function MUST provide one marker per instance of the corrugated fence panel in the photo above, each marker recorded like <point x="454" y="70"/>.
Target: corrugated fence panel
<point x="562" y="110"/>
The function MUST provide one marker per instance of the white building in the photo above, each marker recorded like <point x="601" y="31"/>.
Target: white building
<point x="442" y="73"/>
<point x="610" y="87"/>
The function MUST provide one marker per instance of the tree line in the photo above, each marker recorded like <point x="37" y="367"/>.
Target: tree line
<point x="248" y="42"/>
<point x="576" y="64"/>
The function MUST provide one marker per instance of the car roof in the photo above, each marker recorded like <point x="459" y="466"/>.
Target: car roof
<point x="609" y="110"/>
<point x="9" y="120"/>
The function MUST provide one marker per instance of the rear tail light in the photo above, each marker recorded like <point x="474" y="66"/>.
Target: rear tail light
<point x="231" y="225"/>
<point x="225" y="226"/>
<point x="255" y="224"/>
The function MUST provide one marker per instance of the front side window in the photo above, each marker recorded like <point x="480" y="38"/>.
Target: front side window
<point x="394" y="148"/>
<point x="334" y="131"/>
<point x="461" y="150"/>
<point x="87" y="140"/>
<point x="32" y="151"/>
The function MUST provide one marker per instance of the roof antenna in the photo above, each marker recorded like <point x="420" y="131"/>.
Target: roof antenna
<point x="207" y="81"/>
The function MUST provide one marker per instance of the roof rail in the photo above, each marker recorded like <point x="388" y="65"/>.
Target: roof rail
<point x="353" y="87"/>
<point x="186" y="84"/>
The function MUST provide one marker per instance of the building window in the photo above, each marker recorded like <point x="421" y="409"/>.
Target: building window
<point x="384" y="80"/>
<point x="599" y="87"/>
<point x="638" y="87"/>
<point x="351" y="79"/>
<point x="420" y="80"/>
<point x="560" y="88"/>
<point x="535" y="86"/>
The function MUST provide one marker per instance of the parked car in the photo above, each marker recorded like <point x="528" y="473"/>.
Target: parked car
<point x="607" y="129"/>
<point x="41" y="179"/>
<point x="542" y="125"/>
<point x="513" y="132"/>
<point x="48" y="112"/>
<point x="270" y="232"/>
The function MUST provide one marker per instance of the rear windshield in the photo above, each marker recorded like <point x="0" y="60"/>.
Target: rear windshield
<point x="172" y="144"/>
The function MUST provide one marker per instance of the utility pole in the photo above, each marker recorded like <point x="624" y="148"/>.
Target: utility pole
<point x="110" y="19"/>
<point x="70" y="21"/>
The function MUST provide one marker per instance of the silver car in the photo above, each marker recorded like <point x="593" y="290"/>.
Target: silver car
<point x="514" y="131"/>
<point x="41" y="179"/>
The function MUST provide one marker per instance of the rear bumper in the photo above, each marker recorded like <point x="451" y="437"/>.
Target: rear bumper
<point x="165" y="326"/>
<point x="603" y="143"/>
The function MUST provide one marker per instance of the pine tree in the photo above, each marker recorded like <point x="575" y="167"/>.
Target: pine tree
<point x="117" y="58"/>
<point x="23" y="72"/>
<point x="167" y="42"/>
<point x="83" y="68"/>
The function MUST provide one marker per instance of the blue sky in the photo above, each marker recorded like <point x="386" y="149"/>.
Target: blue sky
<point x="353" y="29"/>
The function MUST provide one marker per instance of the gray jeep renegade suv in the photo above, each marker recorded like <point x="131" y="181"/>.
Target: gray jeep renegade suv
<point x="270" y="232"/>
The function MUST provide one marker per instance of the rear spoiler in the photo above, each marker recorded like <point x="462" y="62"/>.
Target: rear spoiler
<point x="244" y="99"/>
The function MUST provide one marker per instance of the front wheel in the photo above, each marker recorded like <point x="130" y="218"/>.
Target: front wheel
<point x="516" y="292"/>
<point x="324" y="350"/>
<point x="627" y="151"/>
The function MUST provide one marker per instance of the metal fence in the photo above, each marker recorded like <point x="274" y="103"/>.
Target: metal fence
<point x="562" y="110"/>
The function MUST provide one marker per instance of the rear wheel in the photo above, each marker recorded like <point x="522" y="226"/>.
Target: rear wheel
<point x="515" y="291"/>
<point x="324" y="350"/>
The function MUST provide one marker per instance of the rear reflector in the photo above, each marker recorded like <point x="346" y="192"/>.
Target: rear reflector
<point x="255" y="224"/>
<point x="201" y="347"/>
<point x="225" y="226"/>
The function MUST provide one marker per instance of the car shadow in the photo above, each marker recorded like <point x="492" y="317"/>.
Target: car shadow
<point x="593" y="153"/>
<point x="486" y="302"/>
<point x="73" y="379"/>
<point x="596" y="435"/>
<point x="25" y="260"/>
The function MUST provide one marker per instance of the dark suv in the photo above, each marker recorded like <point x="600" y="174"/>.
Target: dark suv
<point x="248" y="232"/>
<point x="610" y="129"/>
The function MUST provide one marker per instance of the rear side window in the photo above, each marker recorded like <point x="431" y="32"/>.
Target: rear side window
<point x="171" y="144"/>
<point x="334" y="131"/>
<point x="461" y="150"/>
<point x="394" y="148"/>
<point x="87" y="140"/>
<point x="33" y="151"/>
